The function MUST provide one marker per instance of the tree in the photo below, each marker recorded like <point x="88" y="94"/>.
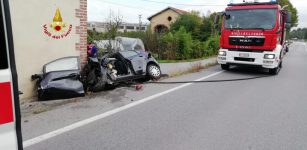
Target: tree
<point x="184" y="43"/>
<point x="169" y="46"/>
<point x="300" y="33"/>
<point x="112" y="24"/>
<point x="191" y="23"/>
<point x="90" y="36"/>
<point x="292" y="9"/>
<point x="205" y="29"/>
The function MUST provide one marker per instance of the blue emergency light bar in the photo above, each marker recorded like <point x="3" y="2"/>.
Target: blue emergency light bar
<point x="271" y="2"/>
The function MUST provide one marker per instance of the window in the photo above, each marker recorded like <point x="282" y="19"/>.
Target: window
<point x="121" y="27"/>
<point x="138" y="47"/>
<point x="63" y="64"/>
<point x="169" y="18"/>
<point x="251" y="19"/>
<point x="130" y="27"/>
<point x="3" y="52"/>
<point x="128" y="54"/>
<point x="143" y="28"/>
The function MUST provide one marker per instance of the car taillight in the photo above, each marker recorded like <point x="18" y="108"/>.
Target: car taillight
<point x="6" y="103"/>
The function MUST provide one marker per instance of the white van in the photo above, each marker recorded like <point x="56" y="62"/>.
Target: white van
<point x="10" y="127"/>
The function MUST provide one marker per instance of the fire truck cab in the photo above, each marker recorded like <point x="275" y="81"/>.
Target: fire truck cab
<point x="10" y="129"/>
<point x="254" y="33"/>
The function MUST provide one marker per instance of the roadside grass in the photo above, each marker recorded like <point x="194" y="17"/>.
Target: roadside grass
<point x="193" y="69"/>
<point x="187" y="60"/>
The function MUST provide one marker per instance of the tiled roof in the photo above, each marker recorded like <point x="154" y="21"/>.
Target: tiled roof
<point x="179" y="11"/>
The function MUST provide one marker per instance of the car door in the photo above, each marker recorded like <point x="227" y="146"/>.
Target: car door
<point x="61" y="80"/>
<point x="10" y="129"/>
<point x="137" y="60"/>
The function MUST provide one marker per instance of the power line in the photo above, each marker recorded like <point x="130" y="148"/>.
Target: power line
<point x="132" y="7"/>
<point x="194" y="5"/>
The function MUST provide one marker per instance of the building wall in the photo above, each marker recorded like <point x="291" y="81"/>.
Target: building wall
<point x="162" y="19"/>
<point x="81" y="30"/>
<point x="124" y="27"/>
<point x="131" y="27"/>
<point x="34" y="48"/>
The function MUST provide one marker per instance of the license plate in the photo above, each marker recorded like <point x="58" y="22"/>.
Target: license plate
<point x="244" y="55"/>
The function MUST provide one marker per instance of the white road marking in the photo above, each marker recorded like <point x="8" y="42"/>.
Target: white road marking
<point x="52" y="134"/>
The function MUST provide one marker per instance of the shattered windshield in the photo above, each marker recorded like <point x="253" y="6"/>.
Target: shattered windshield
<point x="251" y="19"/>
<point x="128" y="53"/>
<point x="63" y="64"/>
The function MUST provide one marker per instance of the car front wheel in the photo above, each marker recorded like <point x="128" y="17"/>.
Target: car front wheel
<point x="153" y="71"/>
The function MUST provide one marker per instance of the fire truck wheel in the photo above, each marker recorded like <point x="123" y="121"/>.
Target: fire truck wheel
<point x="273" y="71"/>
<point x="276" y="70"/>
<point x="225" y="67"/>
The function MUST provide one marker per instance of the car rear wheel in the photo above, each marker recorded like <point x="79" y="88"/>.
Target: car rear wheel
<point x="153" y="72"/>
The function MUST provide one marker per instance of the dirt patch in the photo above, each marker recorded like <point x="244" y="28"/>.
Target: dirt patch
<point x="194" y="68"/>
<point x="30" y="108"/>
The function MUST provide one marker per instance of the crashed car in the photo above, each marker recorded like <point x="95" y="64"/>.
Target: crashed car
<point x="119" y="68"/>
<point x="60" y="80"/>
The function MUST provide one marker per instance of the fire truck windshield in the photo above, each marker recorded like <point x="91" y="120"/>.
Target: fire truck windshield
<point x="264" y="19"/>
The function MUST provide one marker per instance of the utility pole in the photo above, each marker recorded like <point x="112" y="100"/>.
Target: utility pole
<point x="140" y="22"/>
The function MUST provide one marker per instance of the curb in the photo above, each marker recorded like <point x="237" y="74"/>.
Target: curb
<point x="184" y="67"/>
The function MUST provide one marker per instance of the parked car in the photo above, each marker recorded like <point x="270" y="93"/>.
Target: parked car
<point x="60" y="80"/>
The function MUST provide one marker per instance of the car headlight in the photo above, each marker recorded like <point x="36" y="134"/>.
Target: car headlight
<point x="222" y="53"/>
<point x="269" y="56"/>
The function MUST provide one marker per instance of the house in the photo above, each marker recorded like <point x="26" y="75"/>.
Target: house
<point x="44" y="31"/>
<point x="123" y="27"/>
<point x="161" y="21"/>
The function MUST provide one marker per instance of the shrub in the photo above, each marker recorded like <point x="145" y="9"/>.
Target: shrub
<point x="212" y="45"/>
<point x="168" y="46"/>
<point x="184" y="44"/>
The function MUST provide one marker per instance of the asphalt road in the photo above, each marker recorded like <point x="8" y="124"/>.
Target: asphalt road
<point x="262" y="114"/>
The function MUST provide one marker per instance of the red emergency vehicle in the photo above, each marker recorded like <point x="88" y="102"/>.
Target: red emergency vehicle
<point x="10" y="128"/>
<point x="254" y="34"/>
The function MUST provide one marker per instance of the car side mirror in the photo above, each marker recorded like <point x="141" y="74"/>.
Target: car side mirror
<point x="288" y="26"/>
<point x="149" y="55"/>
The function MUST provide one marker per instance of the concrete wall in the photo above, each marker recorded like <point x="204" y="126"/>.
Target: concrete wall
<point x="177" y="68"/>
<point x="162" y="19"/>
<point x="33" y="47"/>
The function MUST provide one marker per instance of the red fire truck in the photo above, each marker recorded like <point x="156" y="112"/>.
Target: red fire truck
<point x="254" y="33"/>
<point x="10" y="129"/>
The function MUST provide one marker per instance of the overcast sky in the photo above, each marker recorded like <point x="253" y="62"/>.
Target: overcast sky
<point x="98" y="10"/>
